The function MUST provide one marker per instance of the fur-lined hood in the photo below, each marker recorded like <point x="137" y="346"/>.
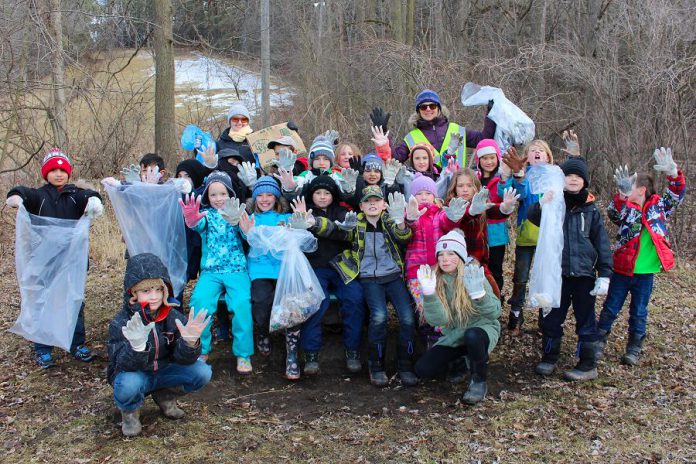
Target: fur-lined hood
<point x="413" y="119"/>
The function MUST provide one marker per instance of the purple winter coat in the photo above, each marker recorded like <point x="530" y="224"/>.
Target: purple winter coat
<point x="436" y="130"/>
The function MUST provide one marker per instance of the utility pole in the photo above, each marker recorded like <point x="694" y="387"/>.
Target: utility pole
<point x="266" y="62"/>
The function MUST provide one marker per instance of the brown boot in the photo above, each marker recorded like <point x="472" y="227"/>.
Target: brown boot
<point x="130" y="423"/>
<point x="166" y="400"/>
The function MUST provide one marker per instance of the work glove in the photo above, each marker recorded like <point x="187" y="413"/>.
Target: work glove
<point x="396" y="207"/>
<point x="332" y="136"/>
<point x="456" y="141"/>
<point x="380" y="118"/>
<point x="191" y="332"/>
<point x="350" y="177"/>
<point x="286" y="159"/>
<point x="349" y="223"/>
<point x="182" y="185"/>
<point x="131" y="174"/>
<point x="427" y="279"/>
<point x="137" y="333"/>
<point x="379" y="137"/>
<point x="480" y="203"/>
<point x="14" y="201"/>
<point x="413" y="213"/>
<point x="232" y="211"/>
<point x="456" y="209"/>
<point x="151" y="175"/>
<point x="474" y="277"/>
<point x="572" y="146"/>
<point x="601" y="286"/>
<point x="510" y="197"/>
<point x="94" y="208"/>
<point x="390" y="171"/>
<point x="301" y="220"/>
<point x="210" y="158"/>
<point x="624" y="181"/>
<point x="192" y="213"/>
<point x="247" y="173"/>
<point x="665" y="163"/>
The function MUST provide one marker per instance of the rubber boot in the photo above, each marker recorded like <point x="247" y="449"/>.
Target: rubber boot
<point x="586" y="368"/>
<point x="311" y="366"/>
<point x="552" y="350"/>
<point x="166" y="400"/>
<point x="515" y="322"/>
<point x="405" y="364"/>
<point x="378" y="376"/>
<point x="477" y="386"/>
<point x="130" y="423"/>
<point x="353" y="361"/>
<point x="633" y="349"/>
<point x="601" y="343"/>
<point x="292" y="362"/>
<point x="456" y="370"/>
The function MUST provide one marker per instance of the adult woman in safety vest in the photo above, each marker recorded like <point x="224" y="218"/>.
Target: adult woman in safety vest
<point x="431" y="125"/>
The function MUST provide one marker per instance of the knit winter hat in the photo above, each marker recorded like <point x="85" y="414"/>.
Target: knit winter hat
<point x="55" y="159"/>
<point x="427" y="95"/>
<point x="266" y="184"/>
<point x="238" y="109"/>
<point x="217" y="176"/>
<point x="322" y="146"/>
<point x="420" y="183"/>
<point x="428" y="148"/>
<point x="325" y="182"/>
<point x="372" y="161"/>
<point x="576" y="165"/>
<point x="230" y="153"/>
<point x="149" y="283"/>
<point x="453" y="241"/>
<point x="486" y="147"/>
<point x="194" y="169"/>
<point x="284" y="140"/>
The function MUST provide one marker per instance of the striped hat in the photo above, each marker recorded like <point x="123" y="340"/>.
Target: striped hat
<point x="266" y="184"/>
<point x="55" y="159"/>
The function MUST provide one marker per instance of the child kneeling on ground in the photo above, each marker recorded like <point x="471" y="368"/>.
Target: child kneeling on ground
<point x="458" y="298"/>
<point x="158" y="358"/>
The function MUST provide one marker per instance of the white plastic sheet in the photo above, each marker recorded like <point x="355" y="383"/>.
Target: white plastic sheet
<point x="51" y="258"/>
<point x="513" y="125"/>
<point x="298" y="294"/>
<point x="151" y="221"/>
<point x="545" y="278"/>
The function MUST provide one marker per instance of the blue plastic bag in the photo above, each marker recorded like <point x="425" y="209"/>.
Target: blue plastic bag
<point x="194" y="138"/>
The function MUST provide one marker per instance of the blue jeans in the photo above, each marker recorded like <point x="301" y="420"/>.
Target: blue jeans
<point x="376" y="298"/>
<point x="78" y="336"/>
<point x="523" y="263"/>
<point x="130" y="388"/>
<point x="640" y="286"/>
<point x="352" y="310"/>
<point x="575" y="291"/>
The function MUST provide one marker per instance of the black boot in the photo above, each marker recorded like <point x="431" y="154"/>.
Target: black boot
<point x="633" y="349"/>
<point x="515" y="322"/>
<point x="477" y="386"/>
<point x="311" y="366"/>
<point x="456" y="370"/>
<point x="405" y="365"/>
<point x="552" y="350"/>
<point x="601" y="343"/>
<point x="378" y="376"/>
<point x="586" y="368"/>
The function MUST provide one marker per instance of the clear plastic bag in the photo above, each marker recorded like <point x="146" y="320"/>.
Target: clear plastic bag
<point x="513" y="125"/>
<point x="151" y="222"/>
<point x="546" y="275"/>
<point x="194" y="138"/>
<point x="51" y="257"/>
<point x="298" y="294"/>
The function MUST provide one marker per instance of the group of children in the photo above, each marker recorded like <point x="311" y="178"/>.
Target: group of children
<point x="427" y="235"/>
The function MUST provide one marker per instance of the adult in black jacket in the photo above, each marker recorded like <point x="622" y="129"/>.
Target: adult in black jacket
<point x="158" y="358"/>
<point x="322" y="196"/>
<point x="234" y="136"/>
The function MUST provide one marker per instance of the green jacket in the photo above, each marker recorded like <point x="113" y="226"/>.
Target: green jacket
<point x="486" y="316"/>
<point x="347" y="264"/>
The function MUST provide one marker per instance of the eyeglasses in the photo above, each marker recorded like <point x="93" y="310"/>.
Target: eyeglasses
<point x="239" y="120"/>
<point x="428" y="106"/>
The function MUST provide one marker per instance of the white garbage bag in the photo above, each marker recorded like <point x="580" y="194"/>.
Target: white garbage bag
<point x="151" y="221"/>
<point x="513" y="125"/>
<point x="51" y="257"/>
<point x="298" y="294"/>
<point x="546" y="274"/>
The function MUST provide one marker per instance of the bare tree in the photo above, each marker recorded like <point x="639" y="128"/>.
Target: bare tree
<point x="165" y="124"/>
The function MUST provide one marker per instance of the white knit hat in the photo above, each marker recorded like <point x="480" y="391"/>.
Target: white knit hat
<point x="453" y="241"/>
<point x="238" y="109"/>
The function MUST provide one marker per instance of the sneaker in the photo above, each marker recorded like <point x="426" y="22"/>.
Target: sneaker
<point x="243" y="366"/>
<point x="311" y="363"/>
<point x="45" y="360"/>
<point x="353" y="361"/>
<point x="263" y="345"/>
<point x="82" y="353"/>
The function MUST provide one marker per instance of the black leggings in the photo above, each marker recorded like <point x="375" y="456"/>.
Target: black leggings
<point x="474" y="345"/>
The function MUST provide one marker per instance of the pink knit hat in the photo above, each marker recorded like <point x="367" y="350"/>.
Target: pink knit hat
<point x="486" y="147"/>
<point x="420" y="183"/>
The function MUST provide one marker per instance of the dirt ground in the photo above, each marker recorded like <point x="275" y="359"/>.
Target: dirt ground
<point x="643" y="414"/>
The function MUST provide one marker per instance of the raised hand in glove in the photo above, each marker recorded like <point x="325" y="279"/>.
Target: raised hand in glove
<point x="350" y="177"/>
<point x="380" y="118"/>
<point x="151" y="175"/>
<point x="300" y="220"/>
<point x="247" y="173"/>
<point x="391" y="169"/>
<point x="474" y="277"/>
<point x="601" y="286"/>
<point x="286" y="159"/>
<point x="191" y="332"/>
<point x="349" y="223"/>
<point x="182" y="185"/>
<point x="413" y="213"/>
<point x="210" y="158"/>
<point x="665" y="163"/>
<point x="480" y="203"/>
<point x="396" y="207"/>
<point x="94" y="208"/>
<point x="456" y="141"/>
<point x="232" y="211"/>
<point x="624" y="181"/>
<point x="379" y="137"/>
<point x="137" y="333"/>
<point x="456" y="209"/>
<point x="332" y="136"/>
<point x="355" y="162"/>
<point x="510" y="197"/>
<point x="131" y="174"/>
<point x="572" y="146"/>
<point x="514" y="162"/>
<point x="427" y="279"/>
<point x="192" y="210"/>
<point x="286" y="180"/>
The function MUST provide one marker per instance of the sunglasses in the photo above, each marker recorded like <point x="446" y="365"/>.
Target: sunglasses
<point x="429" y="106"/>
<point x="239" y="120"/>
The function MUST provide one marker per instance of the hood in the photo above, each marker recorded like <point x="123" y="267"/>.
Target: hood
<point x="416" y="121"/>
<point x="141" y="267"/>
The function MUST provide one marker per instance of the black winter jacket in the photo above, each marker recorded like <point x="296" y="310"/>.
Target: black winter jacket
<point x="67" y="203"/>
<point x="165" y="344"/>
<point x="328" y="248"/>
<point x="225" y="141"/>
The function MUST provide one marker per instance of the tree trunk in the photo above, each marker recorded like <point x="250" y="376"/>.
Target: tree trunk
<point x="58" y="116"/>
<point x="397" y="20"/>
<point x="410" y="19"/>
<point x="165" y="123"/>
<point x="266" y="62"/>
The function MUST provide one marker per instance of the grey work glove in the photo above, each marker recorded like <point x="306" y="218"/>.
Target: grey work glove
<point x="131" y="174"/>
<point x="247" y="173"/>
<point x="624" y="181"/>
<point x="456" y="209"/>
<point x="665" y="163"/>
<point x="232" y="211"/>
<point x="396" y="207"/>
<point x="349" y="223"/>
<point x="350" y="177"/>
<point x="480" y="203"/>
<point x="391" y="169"/>
<point x="474" y="277"/>
<point x="286" y="159"/>
<point x="301" y="220"/>
<point x="137" y="333"/>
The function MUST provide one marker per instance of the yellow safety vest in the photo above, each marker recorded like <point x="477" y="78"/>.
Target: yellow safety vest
<point x="417" y="136"/>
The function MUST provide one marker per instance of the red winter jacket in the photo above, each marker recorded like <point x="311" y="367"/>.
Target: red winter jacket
<point x="631" y="219"/>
